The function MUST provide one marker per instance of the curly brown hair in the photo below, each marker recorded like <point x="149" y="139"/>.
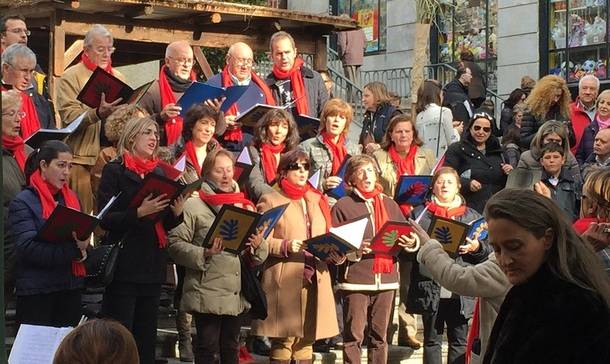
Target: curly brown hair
<point x="540" y="99"/>
<point x="113" y="128"/>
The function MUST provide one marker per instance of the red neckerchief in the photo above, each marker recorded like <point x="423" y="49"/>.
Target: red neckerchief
<point x="268" y="160"/>
<point x="92" y="66"/>
<point x="383" y="263"/>
<point x="446" y="212"/>
<point x="581" y="225"/>
<point x="404" y="165"/>
<point x="29" y="122"/>
<point x="191" y="154"/>
<point x="231" y="198"/>
<point x="295" y="192"/>
<point x="48" y="203"/>
<point x="141" y="166"/>
<point x="235" y="133"/>
<point x="16" y="146"/>
<point x="473" y="333"/>
<point x="173" y="126"/>
<point x="296" y="83"/>
<point x="337" y="150"/>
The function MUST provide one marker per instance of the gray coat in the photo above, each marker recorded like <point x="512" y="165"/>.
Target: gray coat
<point x="314" y="88"/>
<point x="256" y="185"/>
<point x="530" y="160"/>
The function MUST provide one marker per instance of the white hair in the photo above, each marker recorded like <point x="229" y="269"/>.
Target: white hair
<point x="17" y="50"/>
<point x="588" y="77"/>
<point x="96" y="30"/>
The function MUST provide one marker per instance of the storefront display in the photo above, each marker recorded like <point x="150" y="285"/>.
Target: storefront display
<point x="371" y="16"/>
<point x="577" y="38"/>
<point x="469" y="25"/>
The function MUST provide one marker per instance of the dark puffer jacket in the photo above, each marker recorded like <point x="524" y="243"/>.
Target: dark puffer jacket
<point x="585" y="148"/>
<point x="425" y="293"/>
<point x="471" y="164"/>
<point x="456" y="98"/>
<point x="530" y="124"/>
<point x="376" y="123"/>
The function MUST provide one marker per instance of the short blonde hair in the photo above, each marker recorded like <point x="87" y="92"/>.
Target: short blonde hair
<point x="334" y="107"/>
<point x="10" y="98"/>
<point x="605" y="93"/>
<point x="379" y="91"/>
<point x="131" y="130"/>
<point x="357" y="162"/>
<point x="210" y="160"/>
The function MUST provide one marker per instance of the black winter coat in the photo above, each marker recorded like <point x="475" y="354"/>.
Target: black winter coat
<point x="456" y="95"/>
<point x="375" y="123"/>
<point x="470" y="163"/>
<point x="531" y="123"/>
<point x="566" y="194"/>
<point x="506" y="119"/>
<point x="425" y="293"/>
<point x="585" y="148"/>
<point x="41" y="267"/>
<point x="140" y="260"/>
<point x="550" y="321"/>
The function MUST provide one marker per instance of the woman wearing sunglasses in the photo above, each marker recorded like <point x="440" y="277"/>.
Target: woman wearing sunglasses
<point x="301" y="307"/>
<point x="479" y="161"/>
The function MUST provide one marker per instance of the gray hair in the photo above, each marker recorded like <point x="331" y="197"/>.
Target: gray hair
<point x="17" y="50"/>
<point x="588" y="77"/>
<point x="280" y="35"/>
<point x="96" y="30"/>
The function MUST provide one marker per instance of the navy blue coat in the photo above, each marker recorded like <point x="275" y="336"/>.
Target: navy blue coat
<point x="585" y="148"/>
<point x="376" y="123"/>
<point x="41" y="267"/>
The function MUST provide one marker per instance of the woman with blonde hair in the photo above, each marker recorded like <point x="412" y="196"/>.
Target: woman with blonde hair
<point x="379" y="111"/>
<point x="549" y="100"/>
<point x="327" y="151"/>
<point x="559" y="286"/>
<point x="132" y="298"/>
<point x="550" y="132"/>
<point x="98" y="342"/>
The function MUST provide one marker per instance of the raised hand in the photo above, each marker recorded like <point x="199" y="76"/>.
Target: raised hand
<point x="216" y="247"/>
<point x="152" y="205"/>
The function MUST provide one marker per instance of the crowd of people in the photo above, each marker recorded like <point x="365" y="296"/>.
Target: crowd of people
<point x="533" y="290"/>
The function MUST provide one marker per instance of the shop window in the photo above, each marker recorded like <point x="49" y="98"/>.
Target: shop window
<point x="577" y="38"/>
<point x="371" y="16"/>
<point x="468" y="25"/>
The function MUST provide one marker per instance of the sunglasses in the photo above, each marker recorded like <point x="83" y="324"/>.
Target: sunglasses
<point x="296" y="166"/>
<point x="486" y="129"/>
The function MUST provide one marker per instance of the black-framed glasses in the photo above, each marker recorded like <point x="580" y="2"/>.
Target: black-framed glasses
<point x="296" y="166"/>
<point x="486" y="129"/>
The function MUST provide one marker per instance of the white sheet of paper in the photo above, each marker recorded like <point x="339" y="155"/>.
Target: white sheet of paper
<point x="37" y="344"/>
<point x="352" y="232"/>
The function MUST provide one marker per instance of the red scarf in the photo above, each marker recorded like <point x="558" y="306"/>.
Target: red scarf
<point x="384" y="263"/>
<point x="295" y="192"/>
<point x="141" y="166"/>
<point x="92" y="66"/>
<point x="446" y="212"/>
<point x="48" y="203"/>
<point x="233" y="198"/>
<point x="406" y="165"/>
<point x="16" y="146"/>
<point x="29" y="122"/>
<point x="173" y="126"/>
<point x="338" y="150"/>
<point x="191" y="154"/>
<point x="268" y="152"/>
<point x="297" y="83"/>
<point x="473" y="333"/>
<point x="235" y="133"/>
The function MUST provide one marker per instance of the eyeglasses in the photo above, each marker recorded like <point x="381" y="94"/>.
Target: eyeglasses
<point x="19" y="31"/>
<point x="243" y="61"/>
<point x="486" y="129"/>
<point x="181" y="60"/>
<point x="19" y="114"/>
<point x="296" y="166"/>
<point x="102" y="50"/>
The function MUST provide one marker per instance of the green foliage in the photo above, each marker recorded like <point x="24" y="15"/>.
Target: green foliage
<point x="389" y="239"/>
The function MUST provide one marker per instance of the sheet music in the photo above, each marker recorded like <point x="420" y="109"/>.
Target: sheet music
<point x="36" y="344"/>
<point x="101" y="214"/>
<point x="352" y="232"/>
<point x="75" y="124"/>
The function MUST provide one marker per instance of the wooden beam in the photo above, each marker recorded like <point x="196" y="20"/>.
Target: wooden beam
<point x="72" y="52"/>
<point x="57" y="39"/>
<point x="203" y="63"/>
<point x="140" y="10"/>
<point x="319" y="59"/>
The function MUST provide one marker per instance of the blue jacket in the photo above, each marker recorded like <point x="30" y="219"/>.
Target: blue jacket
<point x="41" y="267"/>
<point x="585" y="148"/>
<point x="375" y="123"/>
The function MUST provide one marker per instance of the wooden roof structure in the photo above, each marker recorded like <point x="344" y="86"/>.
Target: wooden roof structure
<point x="142" y="28"/>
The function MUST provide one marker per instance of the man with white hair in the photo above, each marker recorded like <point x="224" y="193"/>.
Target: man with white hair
<point x="582" y="110"/>
<point x="18" y="64"/>
<point x="175" y="77"/>
<point x="85" y="142"/>
<point x="238" y="71"/>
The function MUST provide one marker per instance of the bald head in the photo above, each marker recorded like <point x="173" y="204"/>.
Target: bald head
<point x="601" y="146"/>
<point x="179" y="59"/>
<point x="239" y="60"/>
